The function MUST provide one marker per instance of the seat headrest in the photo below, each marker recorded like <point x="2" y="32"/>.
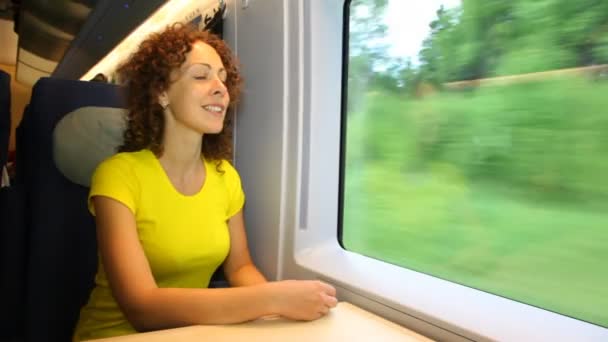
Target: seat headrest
<point x="84" y="138"/>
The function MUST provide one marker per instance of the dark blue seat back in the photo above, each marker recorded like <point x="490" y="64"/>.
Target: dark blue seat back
<point x="12" y="262"/>
<point x="12" y="239"/>
<point x="61" y="244"/>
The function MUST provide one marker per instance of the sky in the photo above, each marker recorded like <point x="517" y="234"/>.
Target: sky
<point x="408" y="24"/>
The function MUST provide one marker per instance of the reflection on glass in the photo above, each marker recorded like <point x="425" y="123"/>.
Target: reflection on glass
<point x="477" y="145"/>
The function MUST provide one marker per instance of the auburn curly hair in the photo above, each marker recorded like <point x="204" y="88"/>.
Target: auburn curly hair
<point x="147" y="75"/>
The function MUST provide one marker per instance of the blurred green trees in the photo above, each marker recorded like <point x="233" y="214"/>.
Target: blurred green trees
<point x="485" y="38"/>
<point x="545" y="135"/>
<point x="484" y="160"/>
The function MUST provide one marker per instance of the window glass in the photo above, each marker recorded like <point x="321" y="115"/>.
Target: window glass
<point x="476" y="145"/>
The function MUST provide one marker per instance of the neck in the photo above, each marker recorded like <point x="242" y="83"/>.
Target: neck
<point x="181" y="149"/>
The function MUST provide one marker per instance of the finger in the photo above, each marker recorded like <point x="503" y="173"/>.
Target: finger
<point x="324" y="310"/>
<point x="330" y="301"/>
<point x="330" y="290"/>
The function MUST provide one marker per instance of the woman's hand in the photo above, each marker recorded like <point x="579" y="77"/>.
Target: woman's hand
<point x="304" y="300"/>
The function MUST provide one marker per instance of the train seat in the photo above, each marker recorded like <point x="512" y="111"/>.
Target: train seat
<point x="61" y="245"/>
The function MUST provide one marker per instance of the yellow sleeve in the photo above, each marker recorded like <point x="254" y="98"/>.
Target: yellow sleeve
<point x="115" y="178"/>
<point x="235" y="190"/>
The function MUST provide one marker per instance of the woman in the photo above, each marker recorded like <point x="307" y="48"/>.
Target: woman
<point x="168" y="206"/>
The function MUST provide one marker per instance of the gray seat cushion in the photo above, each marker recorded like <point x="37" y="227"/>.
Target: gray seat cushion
<point x="84" y="138"/>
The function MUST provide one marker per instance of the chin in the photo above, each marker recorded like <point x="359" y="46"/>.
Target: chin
<point x="213" y="130"/>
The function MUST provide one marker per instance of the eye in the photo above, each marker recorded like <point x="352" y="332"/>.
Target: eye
<point x="200" y="77"/>
<point x="223" y="77"/>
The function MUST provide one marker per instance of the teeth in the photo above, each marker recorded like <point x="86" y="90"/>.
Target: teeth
<point x="213" y="108"/>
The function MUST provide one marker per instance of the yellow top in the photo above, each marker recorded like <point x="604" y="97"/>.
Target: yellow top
<point x="185" y="238"/>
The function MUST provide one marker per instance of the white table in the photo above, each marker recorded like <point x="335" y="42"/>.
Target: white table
<point x="345" y="322"/>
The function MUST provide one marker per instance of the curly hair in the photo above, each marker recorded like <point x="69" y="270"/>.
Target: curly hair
<point x="147" y="73"/>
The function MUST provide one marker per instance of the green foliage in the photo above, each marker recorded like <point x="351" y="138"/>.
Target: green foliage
<point x="544" y="137"/>
<point x="600" y="51"/>
<point x="489" y="38"/>
<point x="500" y="187"/>
<point x="484" y="38"/>
<point x="534" y="58"/>
<point x="383" y="127"/>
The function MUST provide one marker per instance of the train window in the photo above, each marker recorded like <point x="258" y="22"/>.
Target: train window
<point x="474" y="145"/>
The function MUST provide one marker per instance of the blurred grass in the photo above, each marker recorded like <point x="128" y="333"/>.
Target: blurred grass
<point x="501" y="189"/>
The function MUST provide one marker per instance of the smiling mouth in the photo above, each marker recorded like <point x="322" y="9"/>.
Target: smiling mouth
<point x="214" y="109"/>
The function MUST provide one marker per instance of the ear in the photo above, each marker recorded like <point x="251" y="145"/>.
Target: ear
<point x="163" y="99"/>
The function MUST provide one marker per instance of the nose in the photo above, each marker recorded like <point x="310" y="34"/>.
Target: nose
<point x="218" y="87"/>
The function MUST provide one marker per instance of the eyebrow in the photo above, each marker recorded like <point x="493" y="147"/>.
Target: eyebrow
<point x="205" y="64"/>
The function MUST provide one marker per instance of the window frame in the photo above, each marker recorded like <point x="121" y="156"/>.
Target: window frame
<point x="314" y="47"/>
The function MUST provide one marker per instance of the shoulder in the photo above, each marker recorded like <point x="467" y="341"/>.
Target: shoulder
<point x="123" y="164"/>
<point x="119" y="177"/>
<point x="224" y="169"/>
<point x="221" y="167"/>
<point x="229" y="168"/>
<point x="230" y="180"/>
<point x="126" y="159"/>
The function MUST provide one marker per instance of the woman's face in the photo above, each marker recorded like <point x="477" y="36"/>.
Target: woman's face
<point x="197" y="97"/>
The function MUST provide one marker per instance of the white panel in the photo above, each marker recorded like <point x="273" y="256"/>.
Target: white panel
<point x="27" y="75"/>
<point x="37" y="62"/>
<point x="260" y="127"/>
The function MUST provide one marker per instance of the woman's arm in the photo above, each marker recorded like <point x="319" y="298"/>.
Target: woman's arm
<point x="240" y="271"/>
<point x="148" y="307"/>
<point x="238" y="267"/>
